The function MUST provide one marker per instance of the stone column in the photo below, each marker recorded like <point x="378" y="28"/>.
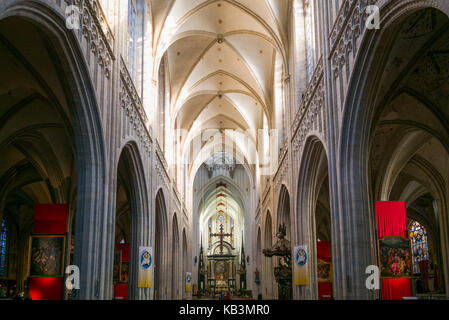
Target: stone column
<point x="91" y="237"/>
<point x="353" y="239"/>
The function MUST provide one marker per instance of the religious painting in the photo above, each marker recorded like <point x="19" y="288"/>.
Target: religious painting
<point x="72" y="248"/>
<point x="46" y="256"/>
<point x="117" y="265"/>
<point x="395" y="257"/>
<point x="324" y="271"/>
<point x="221" y="270"/>
<point x="124" y="272"/>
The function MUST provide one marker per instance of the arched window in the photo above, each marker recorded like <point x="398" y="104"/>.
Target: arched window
<point x="420" y="249"/>
<point x="136" y="43"/>
<point x="3" y="248"/>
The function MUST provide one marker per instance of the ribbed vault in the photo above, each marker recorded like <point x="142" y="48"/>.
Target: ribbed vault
<point x="223" y="61"/>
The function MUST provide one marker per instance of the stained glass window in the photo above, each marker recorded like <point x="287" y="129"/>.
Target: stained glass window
<point x="132" y="36"/>
<point x="420" y="249"/>
<point x="3" y="248"/>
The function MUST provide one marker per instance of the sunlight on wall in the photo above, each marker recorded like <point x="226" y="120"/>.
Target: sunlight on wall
<point x="279" y="99"/>
<point x="108" y="7"/>
<point x="166" y="36"/>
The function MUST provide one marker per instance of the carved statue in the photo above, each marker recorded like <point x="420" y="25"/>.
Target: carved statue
<point x="282" y="246"/>
<point x="283" y="272"/>
<point x="257" y="275"/>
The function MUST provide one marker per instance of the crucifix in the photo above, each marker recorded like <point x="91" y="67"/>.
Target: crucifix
<point x="221" y="235"/>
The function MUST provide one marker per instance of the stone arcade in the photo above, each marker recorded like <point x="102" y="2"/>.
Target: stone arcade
<point x="198" y="127"/>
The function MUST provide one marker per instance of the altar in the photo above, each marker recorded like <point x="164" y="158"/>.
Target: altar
<point x="218" y="267"/>
<point x="221" y="285"/>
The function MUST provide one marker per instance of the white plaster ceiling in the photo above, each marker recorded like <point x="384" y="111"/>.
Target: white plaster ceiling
<point x="221" y="62"/>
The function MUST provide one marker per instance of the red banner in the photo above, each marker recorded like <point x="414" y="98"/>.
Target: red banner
<point x="391" y="219"/>
<point x="46" y="288"/>
<point x="50" y="218"/>
<point x="395" y="289"/>
<point x="124" y="247"/>
<point x="324" y="291"/>
<point x="323" y="253"/>
<point x="121" y="292"/>
<point x="121" y="289"/>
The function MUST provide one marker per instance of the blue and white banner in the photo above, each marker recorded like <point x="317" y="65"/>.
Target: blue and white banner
<point x="301" y="259"/>
<point x="188" y="282"/>
<point x="145" y="275"/>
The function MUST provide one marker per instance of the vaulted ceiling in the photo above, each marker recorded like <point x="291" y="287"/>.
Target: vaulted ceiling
<point x="35" y="135"/>
<point x="222" y="195"/>
<point x="410" y="143"/>
<point x="225" y="200"/>
<point x="221" y="57"/>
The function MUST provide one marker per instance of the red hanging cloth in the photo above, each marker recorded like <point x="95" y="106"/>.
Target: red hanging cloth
<point x="323" y="253"/>
<point x="391" y="219"/>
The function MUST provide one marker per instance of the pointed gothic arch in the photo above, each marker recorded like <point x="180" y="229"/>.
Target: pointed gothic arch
<point x="311" y="181"/>
<point x="185" y="263"/>
<point x="363" y="116"/>
<point x="283" y="213"/>
<point x="74" y="101"/>
<point x="175" y="263"/>
<point x="161" y="262"/>
<point x="268" y="270"/>
<point x="132" y="217"/>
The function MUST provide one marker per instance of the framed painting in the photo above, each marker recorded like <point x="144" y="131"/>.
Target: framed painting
<point x="72" y="249"/>
<point x="324" y="271"/>
<point x="124" y="271"/>
<point x="395" y="257"/>
<point x="46" y="256"/>
<point x="117" y="265"/>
